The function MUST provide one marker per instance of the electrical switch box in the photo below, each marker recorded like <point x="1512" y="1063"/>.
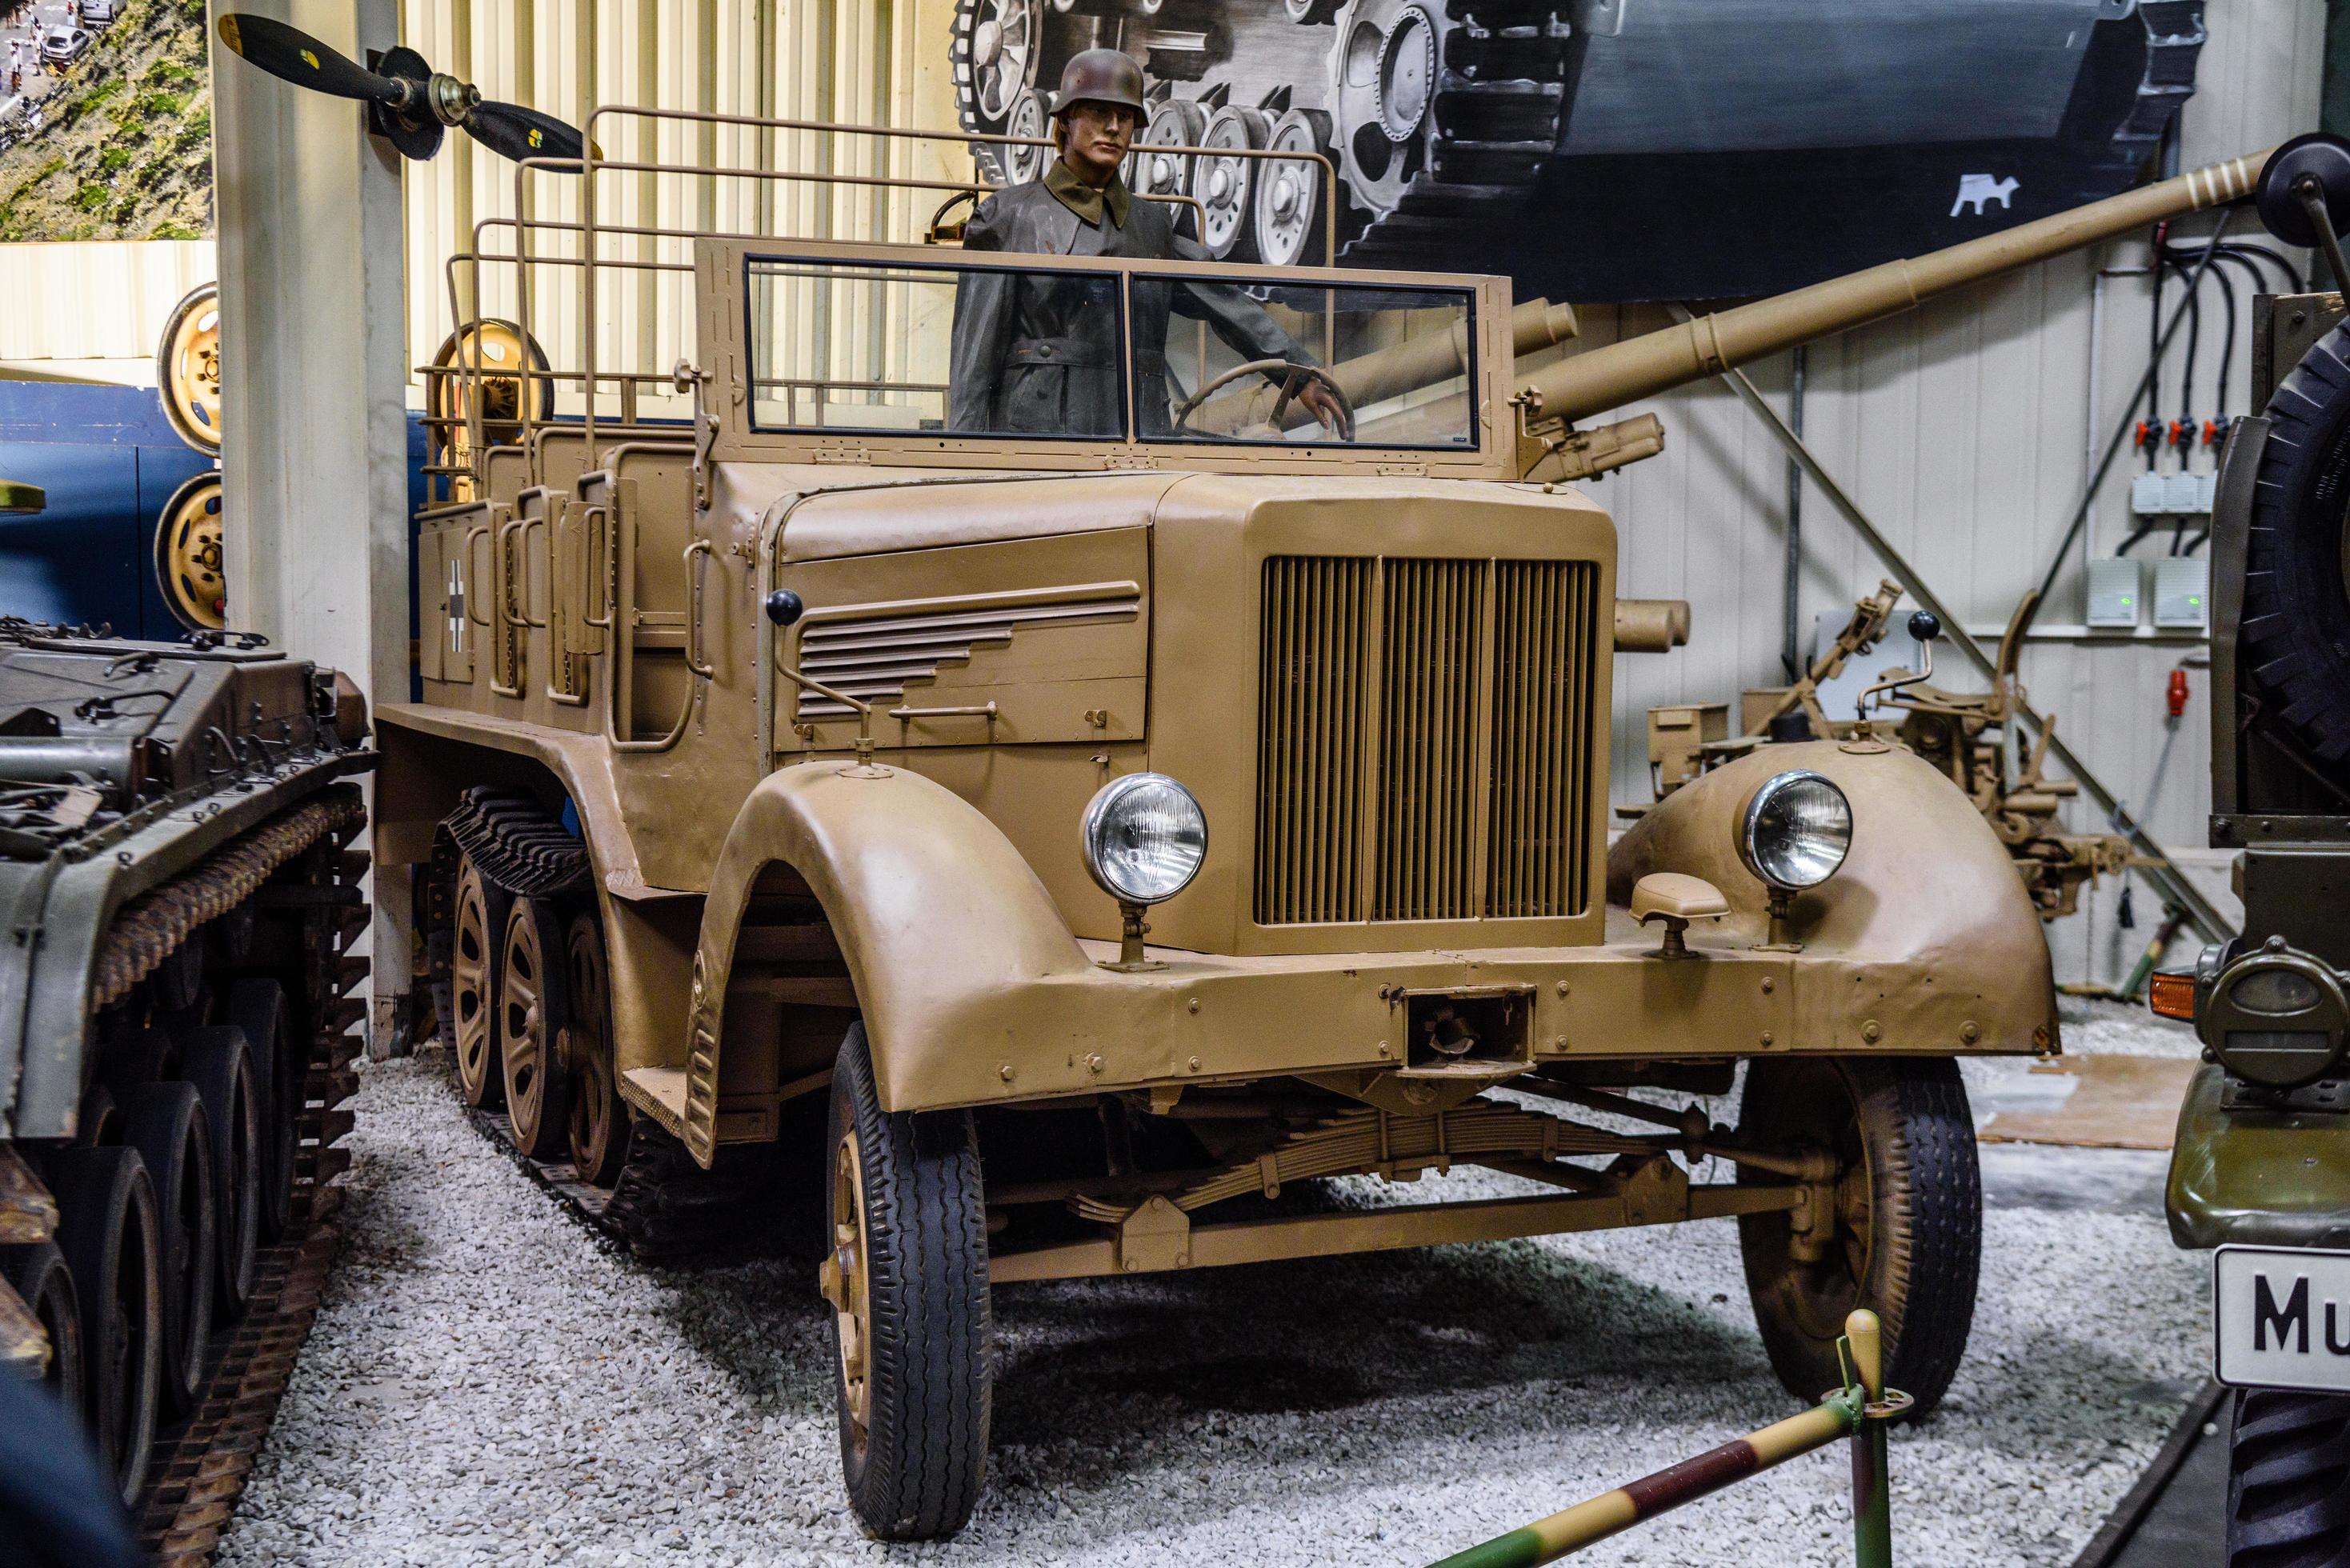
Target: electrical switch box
<point x="2182" y="593"/>
<point x="2173" y="494"/>
<point x="2115" y="586"/>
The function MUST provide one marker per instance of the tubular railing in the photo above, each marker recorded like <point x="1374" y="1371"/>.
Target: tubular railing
<point x="1860" y="1410"/>
<point x="594" y="252"/>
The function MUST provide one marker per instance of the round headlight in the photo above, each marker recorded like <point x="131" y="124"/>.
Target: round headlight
<point x="1144" y="837"/>
<point x="1797" y="829"/>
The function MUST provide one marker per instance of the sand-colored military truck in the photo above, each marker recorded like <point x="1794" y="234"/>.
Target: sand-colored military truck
<point x="1062" y="847"/>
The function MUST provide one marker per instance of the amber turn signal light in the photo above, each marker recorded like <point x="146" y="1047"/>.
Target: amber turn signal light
<point x="2172" y="995"/>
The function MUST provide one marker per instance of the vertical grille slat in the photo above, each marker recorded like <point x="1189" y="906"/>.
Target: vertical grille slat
<point x="1424" y="745"/>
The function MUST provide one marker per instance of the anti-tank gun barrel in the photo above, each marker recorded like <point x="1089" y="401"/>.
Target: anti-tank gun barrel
<point x="1607" y="378"/>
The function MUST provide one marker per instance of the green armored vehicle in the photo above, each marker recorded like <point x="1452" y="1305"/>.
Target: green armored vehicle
<point x="2261" y="1170"/>
<point x="179" y="865"/>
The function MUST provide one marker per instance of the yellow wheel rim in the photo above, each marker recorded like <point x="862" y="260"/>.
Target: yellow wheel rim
<point x="497" y="350"/>
<point x="188" y="561"/>
<point x="844" y="1277"/>
<point x="187" y="368"/>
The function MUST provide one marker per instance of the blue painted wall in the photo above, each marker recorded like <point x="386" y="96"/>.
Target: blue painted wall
<point x="110" y="462"/>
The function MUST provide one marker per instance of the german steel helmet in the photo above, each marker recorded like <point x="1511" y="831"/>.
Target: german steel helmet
<point x="1100" y="75"/>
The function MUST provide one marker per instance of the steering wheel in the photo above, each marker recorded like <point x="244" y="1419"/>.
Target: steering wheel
<point x="1291" y="373"/>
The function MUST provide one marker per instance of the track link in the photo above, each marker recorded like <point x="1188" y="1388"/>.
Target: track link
<point x="664" y="1205"/>
<point x="199" y="1469"/>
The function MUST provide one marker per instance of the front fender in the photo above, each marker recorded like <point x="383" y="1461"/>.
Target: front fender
<point x="936" y="913"/>
<point x="1924" y="941"/>
<point x="2256" y="1176"/>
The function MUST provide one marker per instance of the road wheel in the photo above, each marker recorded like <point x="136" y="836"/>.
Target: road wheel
<point x="220" y="1063"/>
<point x="2288" y="1480"/>
<point x="531" y="1016"/>
<point x="907" y="1283"/>
<point x="257" y="1007"/>
<point x="598" y="1123"/>
<point x="166" y="1125"/>
<point x="41" y="1280"/>
<point x="1900" y="1233"/>
<point x="106" y="1228"/>
<point x="481" y="919"/>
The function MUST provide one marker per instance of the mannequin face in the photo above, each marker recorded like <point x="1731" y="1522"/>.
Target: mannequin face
<point x="1093" y="140"/>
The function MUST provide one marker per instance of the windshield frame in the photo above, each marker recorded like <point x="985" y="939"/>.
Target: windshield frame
<point x="724" y="298"/>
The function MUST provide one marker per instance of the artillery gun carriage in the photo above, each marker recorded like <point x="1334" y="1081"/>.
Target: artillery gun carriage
<point x="1048" y="845"/>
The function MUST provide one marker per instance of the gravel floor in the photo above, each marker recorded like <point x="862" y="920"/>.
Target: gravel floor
<point x="488" y="1382"/>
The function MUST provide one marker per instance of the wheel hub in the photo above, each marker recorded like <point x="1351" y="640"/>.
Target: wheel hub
<point x="1407" y="73"/>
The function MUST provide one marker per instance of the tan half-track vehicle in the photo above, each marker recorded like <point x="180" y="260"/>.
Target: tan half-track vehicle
<point x="1060" y="844"/>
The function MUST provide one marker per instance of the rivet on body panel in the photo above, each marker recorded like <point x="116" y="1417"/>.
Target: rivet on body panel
<point x="1768" y="985"/>
<point x="1969" y="1031"/>
<point x="1192" y="1005"/>
<point x="1194" y="1063"/>
<point x="1869" y="1032"/>
<point x="1562" y="988"/>
<point x="1766" y="1037"/>
<point x="1004" y="1072"/>
<point x="1093" y="1061"/>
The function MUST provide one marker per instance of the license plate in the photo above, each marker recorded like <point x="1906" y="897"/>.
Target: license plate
<point x="2281" y="1318"/>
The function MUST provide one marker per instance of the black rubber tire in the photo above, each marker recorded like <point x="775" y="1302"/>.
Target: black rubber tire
<point x="1906" y="1118"/>
<point x="2289" y="1480"/>
<point x="258" y="1006"/>
<point x="106" y="1228"/>
<point x="38" y="1274"/>
<point x="165" y="1123"/>
<point x="919" y="1472"/>
<point x="2296" y="616"/>
<point x="219" y="1063"/>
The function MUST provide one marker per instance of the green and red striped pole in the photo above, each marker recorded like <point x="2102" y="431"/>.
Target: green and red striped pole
<point x="1857" y="1411"/>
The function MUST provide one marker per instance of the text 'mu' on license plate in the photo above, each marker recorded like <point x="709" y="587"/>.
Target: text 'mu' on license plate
<point x="2281" y="1318"/>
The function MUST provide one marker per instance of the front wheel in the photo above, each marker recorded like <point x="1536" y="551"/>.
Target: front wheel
<point x="1898" y="1228"/>
<point x="907" y="1279"/>
<point x="2288" y="1499"/>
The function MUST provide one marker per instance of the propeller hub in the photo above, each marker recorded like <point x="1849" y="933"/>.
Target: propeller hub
<point x="452" y="100"/>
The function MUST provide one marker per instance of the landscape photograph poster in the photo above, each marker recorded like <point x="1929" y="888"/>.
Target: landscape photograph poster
<point x="105" y="120"/>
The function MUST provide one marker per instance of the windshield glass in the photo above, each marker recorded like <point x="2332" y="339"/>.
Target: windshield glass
<point x="1041" y="353"/>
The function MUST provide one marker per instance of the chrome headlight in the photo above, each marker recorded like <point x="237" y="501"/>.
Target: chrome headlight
<point x="1144" y="837"/>
<point x="1796" y="831"/>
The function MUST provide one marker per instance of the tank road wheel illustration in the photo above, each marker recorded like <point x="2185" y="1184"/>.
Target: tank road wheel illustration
<point x="1288" y="219"/>
<point x="166" y="1126"/>
<point x="598" y="1122"/>
<point x="42" y="1281"/>
<point x="188" y="563"/>
<point x="473" y="986"/>
<point x="2288" y="1501"/>
<point x="220" y="1063"/>
<point x="907" y="1283"/>
<point x="106" y="1228"/>
<point x="997" y="44"/>
<point x="531" y="1016"/>
<point x="1225" y="185"/>
<point x="1030" y="116"/>
<point x="2297" y="571"/>
<point x="188" y="369"/>
<point x="1173" y="122"/>
<point x="1897" y="1226"/>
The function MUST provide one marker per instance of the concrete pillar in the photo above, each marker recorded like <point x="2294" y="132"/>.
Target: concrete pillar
<point x="313" y="472"/>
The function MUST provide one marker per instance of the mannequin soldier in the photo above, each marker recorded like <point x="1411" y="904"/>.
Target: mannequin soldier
<point x="1041" y="354"/>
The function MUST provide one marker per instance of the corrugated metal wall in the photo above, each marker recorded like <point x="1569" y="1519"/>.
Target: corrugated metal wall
<point x="869" y="62"/>
<point x="1961" y="429"/>
<point x="94" y="308"/>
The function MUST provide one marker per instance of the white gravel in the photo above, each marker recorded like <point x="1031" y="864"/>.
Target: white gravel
<point x="488" y="1382"/>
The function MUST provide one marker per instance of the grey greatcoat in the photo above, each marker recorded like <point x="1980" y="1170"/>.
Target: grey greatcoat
<point x="1039" y="353"/>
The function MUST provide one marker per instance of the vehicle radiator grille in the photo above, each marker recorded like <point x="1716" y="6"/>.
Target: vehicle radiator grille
<point x="1424" y="739"/>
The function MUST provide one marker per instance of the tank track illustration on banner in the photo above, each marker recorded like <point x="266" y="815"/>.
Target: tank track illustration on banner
<point x="660" y="1203"/>
<point x="1438" y="115"/>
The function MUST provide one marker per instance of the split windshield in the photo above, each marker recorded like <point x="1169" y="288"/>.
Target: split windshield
<point x="1034" y="353"/>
